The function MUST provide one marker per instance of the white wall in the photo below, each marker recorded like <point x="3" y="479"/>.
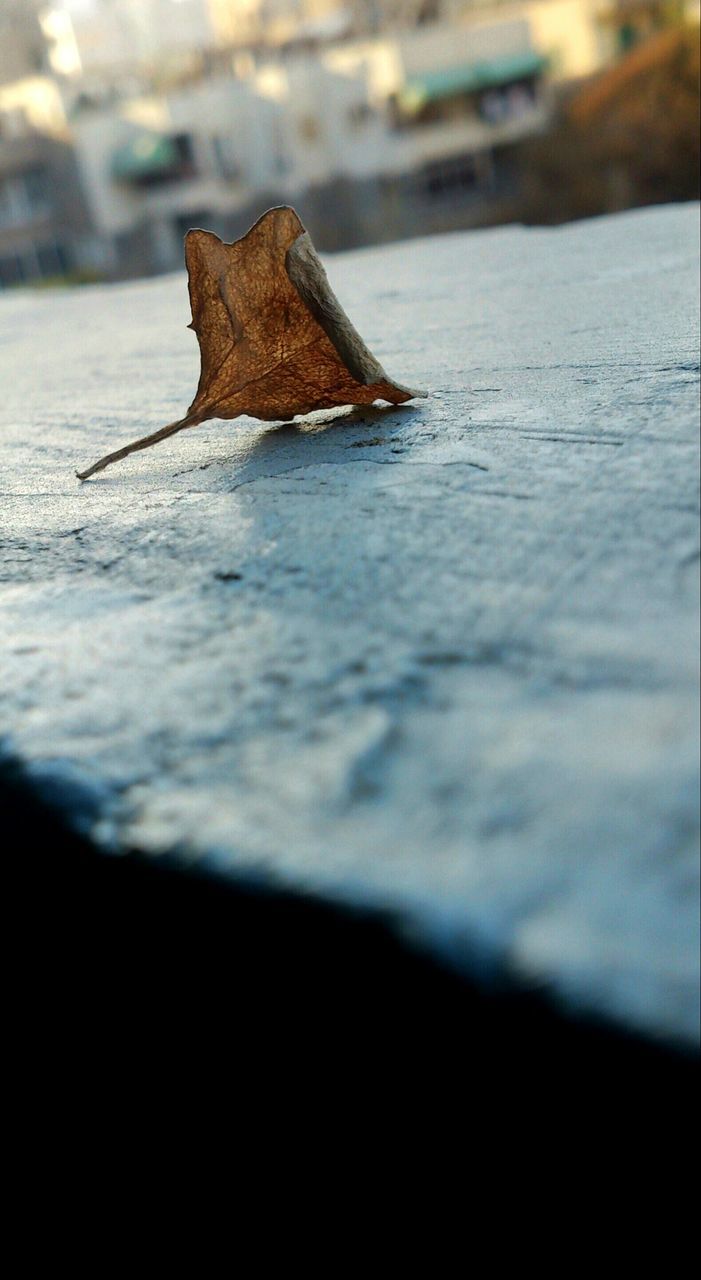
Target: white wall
<point x="91" y="36"/>
<point x="97" y="135"/>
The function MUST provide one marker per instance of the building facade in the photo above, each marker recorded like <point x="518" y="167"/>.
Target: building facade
<point x="45" y="228"/>
<point x="410" y="121"/>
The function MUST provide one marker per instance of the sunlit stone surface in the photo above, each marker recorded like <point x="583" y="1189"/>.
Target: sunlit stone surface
<point x="440" y="658"/>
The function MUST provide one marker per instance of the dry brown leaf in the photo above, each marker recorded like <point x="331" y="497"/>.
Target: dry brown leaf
<point x="274" y="340"/>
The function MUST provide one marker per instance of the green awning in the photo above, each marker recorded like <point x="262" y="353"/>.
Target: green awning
<point x="434" y="85"/>
<point x="147" y="155"/>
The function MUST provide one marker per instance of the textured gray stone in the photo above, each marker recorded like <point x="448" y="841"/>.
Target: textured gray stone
<point x="441" y="658"/>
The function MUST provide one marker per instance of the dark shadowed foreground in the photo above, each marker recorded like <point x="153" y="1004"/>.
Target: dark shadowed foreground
<point x="131" y="974"/>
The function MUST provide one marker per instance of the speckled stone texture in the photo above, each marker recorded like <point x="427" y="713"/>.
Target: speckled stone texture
<point x="439" y="658"/>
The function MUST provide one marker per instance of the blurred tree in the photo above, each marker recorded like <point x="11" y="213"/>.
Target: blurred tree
<point x="628" y="137"/>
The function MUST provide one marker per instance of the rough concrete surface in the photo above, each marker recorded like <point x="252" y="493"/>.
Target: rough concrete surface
<point x="440" y="658"/>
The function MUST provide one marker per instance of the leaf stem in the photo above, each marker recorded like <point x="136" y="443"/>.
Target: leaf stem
<point x="144" y="443"/>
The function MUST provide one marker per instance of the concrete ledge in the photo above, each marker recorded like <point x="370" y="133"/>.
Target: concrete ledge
<point x="440" y="661"/>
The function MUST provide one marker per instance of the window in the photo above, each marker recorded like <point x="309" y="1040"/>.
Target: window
<point x="37" y="190"/>
<point x="25" y="196"/>
<point x="451" y="109"/>
<point x="508" y="102"/>
<point x="6" y="204"/>
<point x="455" y="176"/>
<point x="185" y="151"/>
<point x="227" y="163"/>
<point x="52" y="259"/>
<point x="11" y="272"/>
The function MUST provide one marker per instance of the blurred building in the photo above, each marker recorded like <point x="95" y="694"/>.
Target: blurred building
<point x="45" y="229"/>
<point x="393" y="136"/>
<point x="153" y="166"/>
<point x="377" y="119"/>
<point x="93" y="38"/>
<point x="272" y="21"/>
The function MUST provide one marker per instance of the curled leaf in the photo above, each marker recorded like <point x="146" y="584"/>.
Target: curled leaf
<point x="274" y="339"/>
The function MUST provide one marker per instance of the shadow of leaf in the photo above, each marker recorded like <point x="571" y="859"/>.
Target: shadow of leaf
<point x="320" y="437"/>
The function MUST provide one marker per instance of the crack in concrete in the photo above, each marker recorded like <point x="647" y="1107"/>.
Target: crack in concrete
<point x="336" y="462"/>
